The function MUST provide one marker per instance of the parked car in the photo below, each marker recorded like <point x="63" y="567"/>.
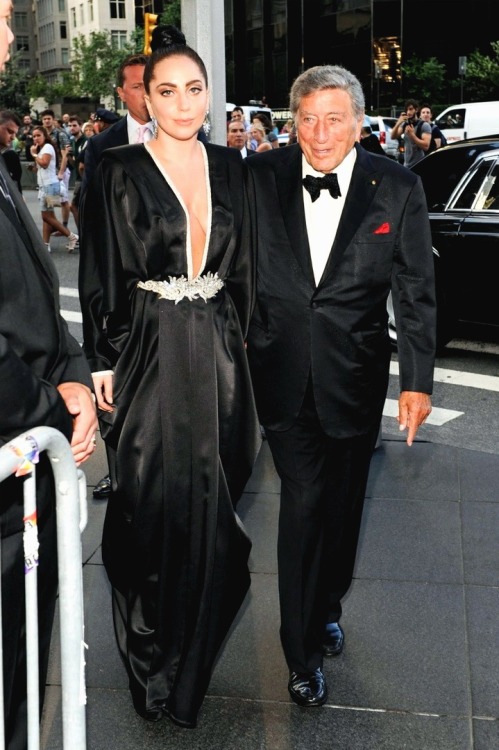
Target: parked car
<point x="461" y="183"/>
<point x="382" y="127"/>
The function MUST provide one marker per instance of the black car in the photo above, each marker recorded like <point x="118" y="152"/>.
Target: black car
<point x="461" y="183"/>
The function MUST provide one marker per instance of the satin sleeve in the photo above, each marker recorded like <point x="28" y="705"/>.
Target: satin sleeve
<point x="103" y="294"/>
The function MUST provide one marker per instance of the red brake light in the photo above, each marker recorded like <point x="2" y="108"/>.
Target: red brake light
<point x="382" y="137"/>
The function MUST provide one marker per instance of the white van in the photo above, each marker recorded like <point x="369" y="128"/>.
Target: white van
<point x="249" y="111"/>
<point x="469" y="120"/>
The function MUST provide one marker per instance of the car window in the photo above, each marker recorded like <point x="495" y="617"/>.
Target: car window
<point x="453" y="119"/>
<point x="488" y="197"/>
<point x="441" y="172"/>
<point x="470" y="190"/>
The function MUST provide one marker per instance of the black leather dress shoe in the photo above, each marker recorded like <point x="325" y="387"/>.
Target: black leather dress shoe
<point x="334" y="639"/>
<point x="102" y="489"/>
<point x="308" y="688"/>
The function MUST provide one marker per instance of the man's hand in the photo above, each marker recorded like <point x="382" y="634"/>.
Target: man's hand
<point x="410" y="132"/>
<point x="80" y="404"/>
<point x="414" y="408"/>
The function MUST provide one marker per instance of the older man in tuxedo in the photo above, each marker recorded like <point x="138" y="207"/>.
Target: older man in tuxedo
<point x="45" y="380"/>
<point x="337" y="229"/>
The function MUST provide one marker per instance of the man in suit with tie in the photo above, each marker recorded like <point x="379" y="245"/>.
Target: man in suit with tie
<point x="45" y="381"/>
<point x="337" y="229"/>
<point x="130" y="89"/>
<point x="238" y="138"/>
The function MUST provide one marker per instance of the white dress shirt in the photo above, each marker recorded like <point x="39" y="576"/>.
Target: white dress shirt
<point x="323" y="215"/>
<point x="133" y="127"/>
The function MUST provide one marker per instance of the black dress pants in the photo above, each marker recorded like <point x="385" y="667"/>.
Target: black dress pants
<point x="323" y="484"/>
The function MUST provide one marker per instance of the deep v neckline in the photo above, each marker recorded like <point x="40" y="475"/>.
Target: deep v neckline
<point x="188" y="242"/>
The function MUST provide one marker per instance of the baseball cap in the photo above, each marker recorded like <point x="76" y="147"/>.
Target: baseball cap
<point x="105" y="115"/>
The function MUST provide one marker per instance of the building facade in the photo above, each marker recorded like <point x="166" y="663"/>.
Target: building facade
<point x="269" y="42"/>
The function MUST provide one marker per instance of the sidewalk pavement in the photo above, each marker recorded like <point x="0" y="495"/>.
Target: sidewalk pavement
<point x="420" y="667"/>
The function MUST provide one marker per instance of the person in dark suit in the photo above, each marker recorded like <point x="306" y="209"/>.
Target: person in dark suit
<point x="130" y="89"/>
<point x="45" y="381"/>
<point x="9" y="126"/>
<point x="319" y="349"/>
<point x="370" y="142"/>
<point x="238" y="138"/>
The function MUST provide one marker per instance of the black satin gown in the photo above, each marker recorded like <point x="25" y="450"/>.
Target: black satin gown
<point x="184" y="430"/>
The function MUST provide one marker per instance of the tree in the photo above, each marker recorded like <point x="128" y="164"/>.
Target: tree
<point x="14" y="87"/>
<point x="94" y="64"/>
<point x="482" y="75"/>
<point x="171" y="14"/>
<point x="40" y="88"/>
<point x="424" y="80"/>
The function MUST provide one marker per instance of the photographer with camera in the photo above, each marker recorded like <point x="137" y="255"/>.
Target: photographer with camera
<point x="416" y="133"/>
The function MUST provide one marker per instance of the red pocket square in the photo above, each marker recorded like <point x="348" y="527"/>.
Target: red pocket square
<point x="383" y="229"/>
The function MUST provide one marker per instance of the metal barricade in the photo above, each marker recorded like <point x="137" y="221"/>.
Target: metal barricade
<point x="20" y="457"/>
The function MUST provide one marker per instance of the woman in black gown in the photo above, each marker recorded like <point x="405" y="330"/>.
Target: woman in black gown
<point x="166" y="283"/>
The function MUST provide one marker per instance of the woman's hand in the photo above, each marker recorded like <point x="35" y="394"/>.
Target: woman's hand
<point x="103" y="387"/>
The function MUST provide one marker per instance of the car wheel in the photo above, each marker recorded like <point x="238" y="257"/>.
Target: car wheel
<point x="446" y="315"/>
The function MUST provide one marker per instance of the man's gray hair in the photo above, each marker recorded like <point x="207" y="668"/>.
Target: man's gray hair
<point x="323" y="77"/>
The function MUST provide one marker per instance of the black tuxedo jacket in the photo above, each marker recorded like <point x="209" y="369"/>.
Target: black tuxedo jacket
<point x="116" y="135"/>
<point x="336" y="332"/>
<point x="37" y="353"/>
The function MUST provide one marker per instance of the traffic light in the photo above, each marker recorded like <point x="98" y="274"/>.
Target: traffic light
<point x="150" y="23"/>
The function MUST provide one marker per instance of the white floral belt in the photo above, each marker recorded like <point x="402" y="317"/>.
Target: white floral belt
<point x="176" y="289"/>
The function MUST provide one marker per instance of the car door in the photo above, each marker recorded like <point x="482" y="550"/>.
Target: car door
<point x="478" y="241"/>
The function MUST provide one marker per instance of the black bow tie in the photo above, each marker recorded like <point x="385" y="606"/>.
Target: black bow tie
<point x="314" y="185"/>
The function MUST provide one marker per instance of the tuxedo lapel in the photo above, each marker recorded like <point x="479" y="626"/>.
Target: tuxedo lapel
<point x="363" y="187"/>
<point x="290" y="190"/>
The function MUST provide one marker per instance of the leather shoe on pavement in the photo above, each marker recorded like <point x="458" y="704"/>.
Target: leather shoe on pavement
<point x="308" y="688"/>
<point x="334" y="639"/>
<point x="102" y="489"/>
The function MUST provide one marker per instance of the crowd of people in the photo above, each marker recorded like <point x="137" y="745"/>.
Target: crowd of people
<point x="411" y="129"/>
<point x="219" y="295"/>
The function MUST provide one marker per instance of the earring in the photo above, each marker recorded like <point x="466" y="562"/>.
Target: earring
<point x="207" y="124"/>
<point x="154" y="127"/>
